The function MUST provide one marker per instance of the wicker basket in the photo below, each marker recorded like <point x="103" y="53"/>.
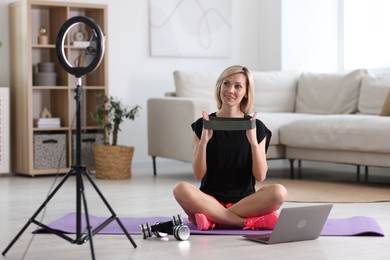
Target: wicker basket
<point x="113" y="162"/>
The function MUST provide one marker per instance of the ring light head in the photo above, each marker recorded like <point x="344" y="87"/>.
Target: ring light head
<point x="89" y="58"/>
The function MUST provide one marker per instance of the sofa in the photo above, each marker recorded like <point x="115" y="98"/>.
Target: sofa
<point x="326" y="117"/>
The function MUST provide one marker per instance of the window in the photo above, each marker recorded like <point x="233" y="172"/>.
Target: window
<point x="366" y="34"/>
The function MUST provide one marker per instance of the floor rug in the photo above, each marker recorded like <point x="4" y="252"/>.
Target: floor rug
<point x="332" y="191"/>
<point x="355" y="226"/>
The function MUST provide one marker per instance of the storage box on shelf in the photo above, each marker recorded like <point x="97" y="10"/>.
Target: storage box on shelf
<point x="88" y="140"/>
<point x="50" y="151"/>
<point x="38" y="80"/>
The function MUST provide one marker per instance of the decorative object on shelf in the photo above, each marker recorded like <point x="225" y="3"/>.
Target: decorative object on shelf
<point x="45" y="113"/>
<point x="112" y="161"/>
<point x="42" y="36"/>
<point x="80" y="38"/>
<point x="45" y="75"/>
<point x="80" y="35"/>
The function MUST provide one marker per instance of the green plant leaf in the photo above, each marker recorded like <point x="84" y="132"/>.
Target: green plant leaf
<point x="110" y="114"/>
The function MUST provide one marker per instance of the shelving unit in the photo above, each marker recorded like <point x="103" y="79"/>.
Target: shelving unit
<point x="29" y="100"/>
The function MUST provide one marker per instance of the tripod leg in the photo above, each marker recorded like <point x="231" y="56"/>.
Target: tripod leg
<point x="16" y="238"/>
<point x="89" y="228"/>
<point x="38" y="211"/>
<point x="125" y="231"/>
<point x="110" y="209"/>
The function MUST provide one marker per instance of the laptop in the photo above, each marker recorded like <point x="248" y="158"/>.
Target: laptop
<point x="296" y="224"/>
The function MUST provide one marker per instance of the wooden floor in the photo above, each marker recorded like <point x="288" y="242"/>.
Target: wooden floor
<point x="143" y="195"/>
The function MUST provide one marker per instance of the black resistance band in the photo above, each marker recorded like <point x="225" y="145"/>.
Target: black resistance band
<point x="228" y="123"/>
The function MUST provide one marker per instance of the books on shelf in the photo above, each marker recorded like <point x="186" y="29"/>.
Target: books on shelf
<point x="51" y="122"/>
<point x="82" y="44"/>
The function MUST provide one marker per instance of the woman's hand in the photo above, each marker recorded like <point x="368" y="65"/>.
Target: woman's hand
<point x="251" y="133"/>
<point x="199" y="155"/>
<point x="206" y="133"/>
<point x="259" y="165"/>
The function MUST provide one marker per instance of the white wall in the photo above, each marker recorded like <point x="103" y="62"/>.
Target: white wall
<point x="263" y="38"/>
<point x="269" y="36"/>
<point x="310" y="38"/>
<point x="298" y="35"/>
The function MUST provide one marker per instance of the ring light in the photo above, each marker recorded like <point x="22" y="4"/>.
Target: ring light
<point x="88" y="59"/>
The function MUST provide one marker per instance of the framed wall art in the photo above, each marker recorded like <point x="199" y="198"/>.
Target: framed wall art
<point x="190" y="28"/>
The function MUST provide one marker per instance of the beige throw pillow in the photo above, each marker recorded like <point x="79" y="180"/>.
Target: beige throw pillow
<point x="329" y="93"/>
<point x="373" y="91"/>
<point x="275" y="91"/>
<point x="195" y="84"/>
<point x="386" y="106"/>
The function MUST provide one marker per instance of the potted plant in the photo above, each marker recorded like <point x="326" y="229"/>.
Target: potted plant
<point x="112" y="161"/>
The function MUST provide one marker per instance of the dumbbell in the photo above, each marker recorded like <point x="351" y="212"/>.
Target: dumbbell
<point x="174" y="227"/>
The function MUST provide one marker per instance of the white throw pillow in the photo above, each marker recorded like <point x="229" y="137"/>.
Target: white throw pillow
<point x="373" y="93"/>
<point x="195" y="84"/>
<point x="275" y="91"/>
<point x="329" y="93"/>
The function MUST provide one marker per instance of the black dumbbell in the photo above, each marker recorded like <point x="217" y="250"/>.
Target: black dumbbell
<point x="174" y="227"/>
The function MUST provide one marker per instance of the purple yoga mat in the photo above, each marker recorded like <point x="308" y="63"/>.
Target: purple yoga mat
<point x="354" y="226"/>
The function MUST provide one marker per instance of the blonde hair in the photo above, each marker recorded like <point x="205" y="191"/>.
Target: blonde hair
<point x="247" y="102"/>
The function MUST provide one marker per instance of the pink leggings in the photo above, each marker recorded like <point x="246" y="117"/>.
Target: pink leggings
<point x="225" y="205"/>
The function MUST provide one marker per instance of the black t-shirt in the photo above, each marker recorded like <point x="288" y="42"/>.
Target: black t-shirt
<point x="229" y="176"/>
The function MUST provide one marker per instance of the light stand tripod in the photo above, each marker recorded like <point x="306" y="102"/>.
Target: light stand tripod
<point x="78" y="169"/>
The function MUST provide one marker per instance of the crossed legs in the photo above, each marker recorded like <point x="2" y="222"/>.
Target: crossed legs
<point x="264" y="201"/>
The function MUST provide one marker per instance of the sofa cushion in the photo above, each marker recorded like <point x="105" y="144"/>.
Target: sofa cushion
<point x="329" y="93"/>
<point x="373" y="91"/>
<point x="355" y="132"/>
<point x="275" y="91"/>
<point x="274" y="121"/>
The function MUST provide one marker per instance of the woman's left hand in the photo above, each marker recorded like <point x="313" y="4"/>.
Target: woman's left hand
<point x="251" y="133"/>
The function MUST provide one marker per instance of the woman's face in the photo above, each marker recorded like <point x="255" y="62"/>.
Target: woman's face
<point x="233" y="90"/>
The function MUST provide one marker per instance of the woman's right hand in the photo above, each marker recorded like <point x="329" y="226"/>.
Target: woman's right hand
<point x="206" y="133"/>
<point x="200" y="146"/>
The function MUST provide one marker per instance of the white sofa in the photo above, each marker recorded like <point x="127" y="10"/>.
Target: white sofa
<point x="329" y="117"/>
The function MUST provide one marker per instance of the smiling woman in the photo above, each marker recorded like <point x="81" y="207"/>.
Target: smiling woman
<point x="229" y="162"/>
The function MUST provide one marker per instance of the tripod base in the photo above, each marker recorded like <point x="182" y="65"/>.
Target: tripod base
<point x="81" y="236"/>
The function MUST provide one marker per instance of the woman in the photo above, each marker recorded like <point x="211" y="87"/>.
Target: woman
<point x="229" y="163"/>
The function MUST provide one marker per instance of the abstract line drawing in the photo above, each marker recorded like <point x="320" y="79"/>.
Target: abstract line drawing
<point x="190" y="28"/>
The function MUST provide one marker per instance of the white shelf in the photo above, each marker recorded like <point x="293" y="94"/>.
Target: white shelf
<point x="4" y="130"/>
